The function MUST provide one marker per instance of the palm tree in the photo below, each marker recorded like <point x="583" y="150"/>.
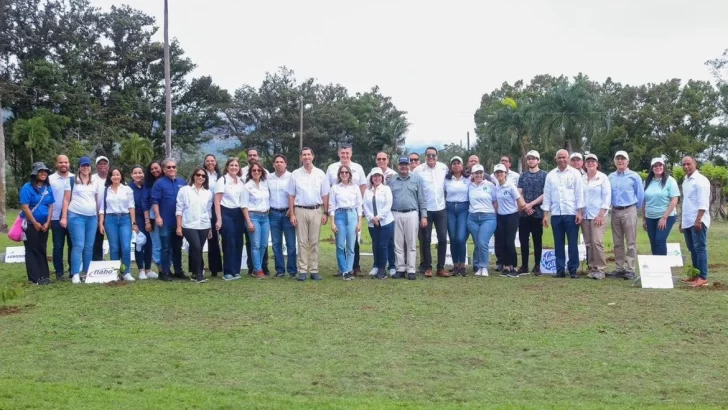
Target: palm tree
<point x="511" y="123"/>
<point x="567" y="116"/>
<point x="137" y="150"/>
<point x="32" y="133"/>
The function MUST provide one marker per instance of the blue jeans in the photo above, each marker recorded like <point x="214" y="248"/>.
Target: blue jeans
<point x="156" y="244"/>
<point x="118" y="232"/>
<point x="259" y="238"/>
<point x="482" y="226"/>
<point x="280" y="227"/>
<point x="457" y="216"/>
<point x="658" y="238"/>
<point x="346" y="220"/>
<point x="381" y="237"/>
<point x="233" y="225"/>
<point x="171" y="248"/>
<point x="564" y="226"/>
<point x="60" y="234"/>
<point x="83" y="234"/>
<point x="697" y="242"/>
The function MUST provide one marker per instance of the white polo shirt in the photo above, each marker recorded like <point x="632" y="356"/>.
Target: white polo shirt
<point x="434" y="184"/>
<point x="308" y="188"/>
<point x="696" y="197"/>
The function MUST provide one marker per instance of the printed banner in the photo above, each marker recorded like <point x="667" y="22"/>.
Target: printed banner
<point x="103" y="271"/>
<point x="15" y="254"/>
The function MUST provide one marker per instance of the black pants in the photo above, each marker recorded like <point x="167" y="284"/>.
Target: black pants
<point x="505" y="239"/>
<point x="36" y="258"/>
<point x="439" y="219"/>
<point x="214" y="256"/>
<point x="98" y="254"/>
<point x="196" y="239"/>
<point x="356" y="254"/>
<point x="530" y="225"/>
<point x="248" y="249"/>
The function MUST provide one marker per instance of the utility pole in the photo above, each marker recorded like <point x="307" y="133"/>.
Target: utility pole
<point x="300" y="131"/>
<point x="468" y="141"/>
<point x="167" y="85"/>
<point x="3" y="209"/>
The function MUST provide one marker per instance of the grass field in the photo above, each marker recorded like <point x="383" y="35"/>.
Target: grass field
<point x="440" y="343"/>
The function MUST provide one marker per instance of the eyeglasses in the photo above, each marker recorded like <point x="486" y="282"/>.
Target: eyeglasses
<point x="200" y="175"/>
<point x="171" y="167"/>
<point x="257" y="171"/>
<point x="381" y="159"/>
<point x="344" y="173"/>
<point x="431" y="155"/>
<point x="414" y="160"/>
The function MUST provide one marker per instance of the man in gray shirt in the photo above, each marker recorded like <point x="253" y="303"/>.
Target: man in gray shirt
<point x="408" y="202"/>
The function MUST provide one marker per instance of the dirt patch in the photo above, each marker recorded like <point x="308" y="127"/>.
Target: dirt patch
<point x="716" y="265"/>
<point x="610" y="259"/>
<point x="9" y="310"/>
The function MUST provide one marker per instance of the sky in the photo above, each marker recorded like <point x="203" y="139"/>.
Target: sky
<point x="436" y="60"/>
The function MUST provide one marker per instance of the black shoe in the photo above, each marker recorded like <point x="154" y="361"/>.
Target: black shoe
<point x="381" y="275"/>
<point x="200" y="278"/>
<point x="44" y="281"/>
<point x="463" y="272"/>
<point x="412" y="276"/>
<point x="504" y="273"/>
<point x="280" y="275"/>
<point x="498" y="268"/>
<point x="523" y="270"/>
<point x="573" y="276"/>
<point x="537" y="271"/>
<point x="338" y="274"/>
<point x="165" y="276"/>
<point x="559" y="275"/>
<point x="181" y="275"/>
<point x="399" y="275"/>
<point x="629" y="276"/>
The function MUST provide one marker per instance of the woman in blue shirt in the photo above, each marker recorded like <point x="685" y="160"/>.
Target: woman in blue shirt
<point x="143" y="257"/>
<point x="36" y="203"/>
<point x="658" y="212"/>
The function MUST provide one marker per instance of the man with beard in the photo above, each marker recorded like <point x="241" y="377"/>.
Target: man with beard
<point x="59" y="180"/>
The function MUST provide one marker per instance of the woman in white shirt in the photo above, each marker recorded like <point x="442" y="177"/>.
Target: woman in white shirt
<point x="214" y="257"/>
<point x="229" y="191"/>
<point x="481" y="218"/>
<point x="508" y="203"/>
<point x="345" y="206"/>
<point x="378" y="211"/>
<point x="117" y="218"/>
<point x="456" y="203"/>
<point x="597" y="199"/>
<point x="194" y="205"/>
<point x="79" y="216"/>
<point x="256" y="205"/>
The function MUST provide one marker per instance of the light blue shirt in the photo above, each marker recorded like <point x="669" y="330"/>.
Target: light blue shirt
<point x="627" y="188"/>
<point x="507" y="197"/>
<point x="658" y="198"/>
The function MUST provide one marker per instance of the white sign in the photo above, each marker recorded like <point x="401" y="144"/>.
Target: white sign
<point x="448" y="256"/>
<point x="655" y="272"/>
<point x="674" y="252"/>
<point x="548" y="258"/>
<point x="15" y="254"/>
<point x="103" y="271"/>
<point x="106" y="247"/>
<point x="244" y="260"/>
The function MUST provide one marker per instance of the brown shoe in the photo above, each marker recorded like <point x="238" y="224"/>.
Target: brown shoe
<point x="442" y="273"/>
<point x="698" y="282"/>
<point x="357" y="272"/>
<point x="689" y="280"/>
<point x="428" y="273"/>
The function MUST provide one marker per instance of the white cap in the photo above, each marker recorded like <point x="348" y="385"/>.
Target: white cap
<point x="621" y="153"/>
<point x="477" y="168"/>
<point x="576" y="155"/>
<point x="656" y="161"/>
<point x="499" y="167"/>
<point x="101" y="158"/>
<point x="141" y="240"/>
<point x="533" y="153"/>
<point x="592" y="156"/>
<point x="456" y="158"/>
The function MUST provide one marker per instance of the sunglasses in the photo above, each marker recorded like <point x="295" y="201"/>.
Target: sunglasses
<point x="200" y="175"/>
<point x="344" y="173"/>
<point x="171" y="167"/>
<point x="381" y="159"/>
<point x="414" y="160"/>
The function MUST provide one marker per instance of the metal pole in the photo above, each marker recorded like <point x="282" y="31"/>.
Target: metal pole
<point x="3" y="223"/>
<point x="300" y="131"/>
<point x="167" y="85"/>
<point x="468" y="141"/>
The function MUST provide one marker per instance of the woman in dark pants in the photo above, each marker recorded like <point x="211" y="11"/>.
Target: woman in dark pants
<point x="214" y="256"/>
<point x="193" y="218"/>
<point x="36" y="203"/>
<point x="229" y="193"/>
<point x="143" y="257"/>
<point x="509" y="202"/>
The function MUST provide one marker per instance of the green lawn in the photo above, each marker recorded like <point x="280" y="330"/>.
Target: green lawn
<point x="468" y="342"/>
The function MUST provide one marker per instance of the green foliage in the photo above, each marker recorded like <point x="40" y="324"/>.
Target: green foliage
<point x="10" y="292"/>
<point x="679" y="174"/>
<point x="691" y="271"/>
<point x="136" y="150"/>
<point x="643" y="174"/>
<point x="716" y="174"/>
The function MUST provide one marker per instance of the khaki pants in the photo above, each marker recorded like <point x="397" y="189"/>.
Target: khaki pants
<point x="624" y="227"/>
<point x="308" y="233"/>
<point x="594" y="241"/>
<point x="406" y="229"/>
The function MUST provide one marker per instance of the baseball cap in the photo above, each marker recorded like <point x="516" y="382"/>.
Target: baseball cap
<point x="101" y="158"/>
<point x="403" y="160"/>
<point x="621" y="153"/>
<point x="499" y="167"/>
<point x="656" y="161"/>
<point x="477" y="168"/>
<point x="576" y="155"/>
<point x="456" y="158"/>
<point x="141" y="240"/>
<point x="592" y="156"/>
<point x="84" y="161"/>
<point x="533" y="153"/>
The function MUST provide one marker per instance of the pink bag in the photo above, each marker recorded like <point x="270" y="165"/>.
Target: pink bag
<point x="16" y="232"/>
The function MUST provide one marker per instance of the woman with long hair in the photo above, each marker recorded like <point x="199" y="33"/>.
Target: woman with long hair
<point x="143" y="254"/>
<point x="80" y="217"/>
<point x="117" y="219"/>
<point x="509" y="203"/>
<point x="378" y="211"/>
<point x="597" y="201"/>
<point x="193" y="218"/>
<point x="456" y="202"/>
<point x="658" y="212"/>
<point x="152" y="174"/>
<point x="256" y="206"/>
<point x="229" y="195"/>
<point x="214" y="257"/>
<point x="345" y="207"/>
<point x="36" y="204"/>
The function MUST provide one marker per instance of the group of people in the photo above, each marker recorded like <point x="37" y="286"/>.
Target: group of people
<point x="241" y="205"/>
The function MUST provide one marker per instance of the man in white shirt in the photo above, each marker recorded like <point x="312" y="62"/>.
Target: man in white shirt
<point x="308" y="198"/>
<point x="99" y="180"/>
<point x="695" y="219"/>
<point x="563" y="199"/>
<point x="433" y="174"/>
<point x="59" y="180"/>
<point x="414" y="161"/>
<point x="358" y="177"/>
<point x="279" y="217"/>
<point x="253" y="156"/>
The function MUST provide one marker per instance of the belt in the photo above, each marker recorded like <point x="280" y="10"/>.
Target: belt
<point x="344" y="209"/>
<point x="281" y="210"/>
<point x="620" y="208"/>
<point x="308" y="207"/>
<point x="403" y="211"/>
<point x="258" y="212"/>
<point x="117" y="214"/>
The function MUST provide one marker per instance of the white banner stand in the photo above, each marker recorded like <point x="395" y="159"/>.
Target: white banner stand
<point x="655" y="272"/>
<point x="15" y="254"/>
<point x="103" y="271"/>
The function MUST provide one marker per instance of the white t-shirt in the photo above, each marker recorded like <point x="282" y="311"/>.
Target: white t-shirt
<point x="83" y="199"/>
<point x="256" y="198"/>
<point x="59" y="185"/>
<point x="506" y="196"/>
<point x="232" y="191"/>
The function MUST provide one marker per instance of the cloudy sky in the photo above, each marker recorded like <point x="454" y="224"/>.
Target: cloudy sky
<point x="436" y="60"/>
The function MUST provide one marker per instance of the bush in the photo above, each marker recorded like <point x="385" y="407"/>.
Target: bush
<point x="12" y="198"/>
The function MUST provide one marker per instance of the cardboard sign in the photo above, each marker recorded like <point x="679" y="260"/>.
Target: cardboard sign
<point x="655" y="272"/>
<point x="15" y="254"/>
<point x="674" y="253"/>
<point x="103" y="271"/>
<point x="548" y="258"/>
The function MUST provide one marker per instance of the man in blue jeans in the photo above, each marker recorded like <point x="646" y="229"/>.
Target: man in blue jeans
<point x="696" y="219"/>
<point x="164" y="202"/>
<point x="59" y="180"/>
<point x="280" y="224"/>
<point x="563" y="199"/>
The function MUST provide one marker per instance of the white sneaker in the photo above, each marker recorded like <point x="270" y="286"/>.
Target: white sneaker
<point x="76" y="279"/>
<point x="484" y="272"/>
<point x="151" y="275"/>
<point x="142" y="275"/>
<point x="373" y="271"/>
<point x="128" y="277"/>
<point x="479" y="272"/>
<point x="392" y="272"/>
